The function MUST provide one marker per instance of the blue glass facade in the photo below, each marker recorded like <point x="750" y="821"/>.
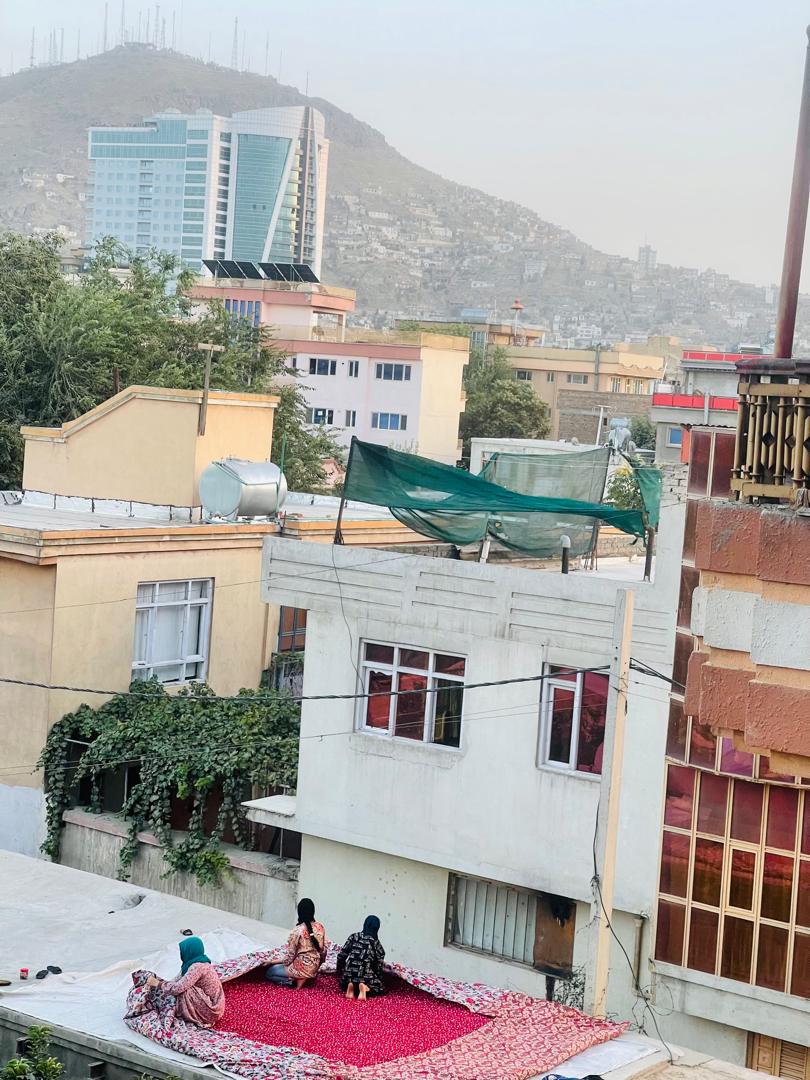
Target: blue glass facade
<point x="260" y="166"/>
<point x="209" y="187"/>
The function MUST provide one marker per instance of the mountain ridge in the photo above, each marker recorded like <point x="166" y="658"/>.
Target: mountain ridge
<point x="410" y="241"/>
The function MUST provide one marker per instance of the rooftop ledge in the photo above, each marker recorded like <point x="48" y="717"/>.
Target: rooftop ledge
<point x="276" y="810"/>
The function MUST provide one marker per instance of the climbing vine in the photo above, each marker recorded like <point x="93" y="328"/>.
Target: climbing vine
<point x="188" y="746"/>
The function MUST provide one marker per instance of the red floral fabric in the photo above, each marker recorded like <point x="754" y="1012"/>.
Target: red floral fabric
<point x="523" y="1038"/>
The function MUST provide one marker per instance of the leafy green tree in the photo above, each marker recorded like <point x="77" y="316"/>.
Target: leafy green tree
<point x="642" y="432"/>
<point x="623" y="490"/>
<point x="35" y="1063"/>
<point x="64" y="348"/>
<point x="498" y="406"/>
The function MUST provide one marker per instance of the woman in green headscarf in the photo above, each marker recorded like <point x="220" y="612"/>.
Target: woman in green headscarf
<point x="199" y="993"/>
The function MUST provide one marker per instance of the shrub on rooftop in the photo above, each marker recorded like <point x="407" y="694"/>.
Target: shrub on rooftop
<point x="191" y="746"/>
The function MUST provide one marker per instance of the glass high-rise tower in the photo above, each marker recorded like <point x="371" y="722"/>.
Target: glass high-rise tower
<point x="251" y="186"/>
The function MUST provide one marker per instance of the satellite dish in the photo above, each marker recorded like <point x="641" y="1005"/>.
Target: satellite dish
<point x="236" y="488"/>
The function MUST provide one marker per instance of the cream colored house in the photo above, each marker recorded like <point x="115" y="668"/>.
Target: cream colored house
<point x="108" y="571"/>
<point x="399" y="388"/>
<point x="553" y="372"/>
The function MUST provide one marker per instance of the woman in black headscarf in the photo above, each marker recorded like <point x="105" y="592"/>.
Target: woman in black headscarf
<point x="360" y="962"/>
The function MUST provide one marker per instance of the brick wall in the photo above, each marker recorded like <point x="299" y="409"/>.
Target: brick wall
<point x="578" y="411"/>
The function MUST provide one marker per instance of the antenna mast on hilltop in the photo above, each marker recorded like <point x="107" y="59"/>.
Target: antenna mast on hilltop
<point x="267" y="55"/>
<point x="122" y="32"/>
<point x="33" y="46"/>
<point x="79" y="44"/>
<point x="106" y="20"/>
<point x="235" y="49"/>
<point x="174" y="30"/>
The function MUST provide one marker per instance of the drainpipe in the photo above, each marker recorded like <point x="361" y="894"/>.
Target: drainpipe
<point x="796" y="224"/>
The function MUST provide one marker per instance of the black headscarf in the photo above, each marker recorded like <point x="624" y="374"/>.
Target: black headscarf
<point x="306" y="913"/>
<point x="371" y="927"/>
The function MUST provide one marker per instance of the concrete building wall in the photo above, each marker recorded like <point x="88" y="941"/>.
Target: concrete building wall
<point x="410" y="898"/>
<point x="260" y="886"/>
<point x="577" y="414"/>
<point x="142" y="445"/>
<point x="441" y="403"/>
<point x="26" y="628"/>
<point x="359" y="788"/>
<point x="76" y="628"/>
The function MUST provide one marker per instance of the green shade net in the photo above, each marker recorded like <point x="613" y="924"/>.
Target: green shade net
<point x="650" y="482"/>
<point x="456" y="507"/>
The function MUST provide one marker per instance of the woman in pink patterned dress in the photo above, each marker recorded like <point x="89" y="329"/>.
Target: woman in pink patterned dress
<point x="199" y="993"/>
<point x="306" y="951"/>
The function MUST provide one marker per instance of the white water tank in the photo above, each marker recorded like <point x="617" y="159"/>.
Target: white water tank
<point x="246" y="489"/>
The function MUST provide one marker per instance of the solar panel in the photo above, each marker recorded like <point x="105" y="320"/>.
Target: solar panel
<point x="231" y="268"/>
<point x="294" y="272"/>
<point x="212" y="265"/>
<point x="305" y="272"/>
<point x="249" y="269"/>
<point x="271" y="271"/>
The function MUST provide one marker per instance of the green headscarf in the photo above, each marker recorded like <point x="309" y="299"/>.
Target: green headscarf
<point x="192" y="951"/>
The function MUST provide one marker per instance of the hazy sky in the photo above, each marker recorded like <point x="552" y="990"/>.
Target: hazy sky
<point x="672" y="120"/>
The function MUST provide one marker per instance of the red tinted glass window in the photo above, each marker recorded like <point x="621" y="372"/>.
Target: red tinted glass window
<point x="409" y="717"/>
<point x="746" y="812"/>
<point x="690" y="579"/>
<point x="783" y="808"/>
<point x="292" y="629"/>
<point x="736" y="762"/>
<point x="703" y="927"/>
<point x="674" y="864"/>
<point x="689" y="531"/>
<point x="777" y="886"/>
<point x="680" y="797"/>
<point x="708" y="872"/>
<point x="676" y="730"/>
<point x="378" y="707"/>
<point x="562" y="717"/>
<point x="800" y="979"/>
<point x="702" y="745"/>
<point x="712" y="804"/>
<point x="738" y="944"/>
<point x="684" y="644"/>
<point x="741" y="881"/>
<point x="699" y="453"/>
<point x="772" y="957"/>
<point x="803" y="895"/>
<point x="766" y="774"/>
<point x="669" y="932"/>
<point x="592" y="713"/>
<point x="722" y="465"/>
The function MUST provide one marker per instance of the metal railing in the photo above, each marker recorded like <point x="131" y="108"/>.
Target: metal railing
<point x="772" y="446"/>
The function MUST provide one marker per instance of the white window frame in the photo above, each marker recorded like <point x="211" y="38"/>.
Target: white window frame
<point x="615" y="385"/>
<point x="546" y="708"/>
<point x="366" y="668"/>
<point x="328" y="416"/>
<point x="315" y="361"/>
<point x="577" y="378"/>
<point x="354" y="369"/>
<point x="674" y="445"/>
<point x="523" y="374"/>
<point x="351" y="418"/>
<point x="147" y="668"/>
<point x="402" y="421"/>
<point x="403" y="370"/>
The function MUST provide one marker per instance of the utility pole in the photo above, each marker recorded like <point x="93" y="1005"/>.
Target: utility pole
<point x="796" y="225"/>
<point x="209" y="353"/>
<point x="607" y="826"/>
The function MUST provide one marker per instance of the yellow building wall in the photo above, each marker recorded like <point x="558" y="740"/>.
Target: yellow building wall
<point x="142" y="445"/>
<point x="26" y="626"/>
<point x="78" y="630"/>
<point x="441" y="403"/>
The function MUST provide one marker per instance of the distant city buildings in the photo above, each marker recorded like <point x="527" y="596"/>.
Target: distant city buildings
<point x="647" y="259"/>
<point x="251" y="186"/>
